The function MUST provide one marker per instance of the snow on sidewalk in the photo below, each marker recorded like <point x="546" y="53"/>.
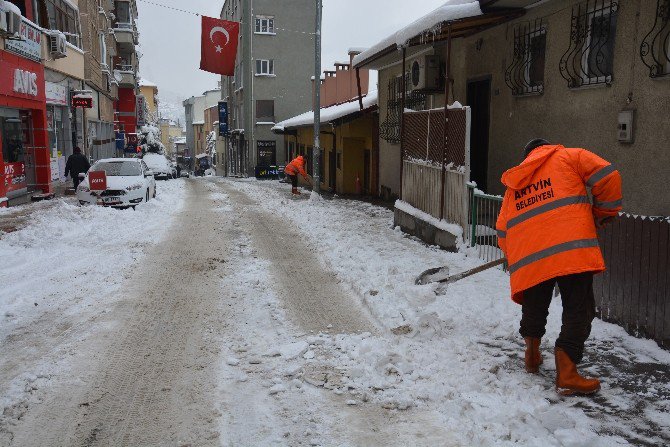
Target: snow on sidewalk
<point x="63" y="267"/>
<point x="461" y="355"/>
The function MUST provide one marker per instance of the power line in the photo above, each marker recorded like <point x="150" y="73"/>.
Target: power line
<point x="198" y="14"/>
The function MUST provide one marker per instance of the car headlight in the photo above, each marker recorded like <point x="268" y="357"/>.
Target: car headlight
<point x="134" y="187"/>
<point x="83" y="188"/>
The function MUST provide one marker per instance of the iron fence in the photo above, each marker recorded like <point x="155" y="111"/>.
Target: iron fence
<point x="480" y="232"/>
<point x="634" y="291"/>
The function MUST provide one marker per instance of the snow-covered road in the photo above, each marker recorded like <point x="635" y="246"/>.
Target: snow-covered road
<point x="227" y="313"/>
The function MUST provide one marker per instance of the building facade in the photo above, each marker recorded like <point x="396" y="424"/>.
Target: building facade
<point x="272" y="82"/>
<point x="580" y="73"/>
<point x="194" y="112"/>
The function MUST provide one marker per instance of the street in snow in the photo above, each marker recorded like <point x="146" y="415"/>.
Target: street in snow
<point x="199" y="320"/>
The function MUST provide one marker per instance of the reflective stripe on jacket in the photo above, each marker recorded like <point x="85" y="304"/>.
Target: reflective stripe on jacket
<point x="546" y="226"/>
<point x="296" y="166"/>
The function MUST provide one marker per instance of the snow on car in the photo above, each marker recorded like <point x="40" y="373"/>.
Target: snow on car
<point x="129" y="182"/>
<point x="159" y="164"/>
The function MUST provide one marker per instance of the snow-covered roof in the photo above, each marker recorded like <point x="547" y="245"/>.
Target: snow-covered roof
<point x="451" y="10"/>
<point x="146" y="83"/>
<point x="181" y="140"/>
<point x="356" y="50"/>
<point x="328" y="114"/>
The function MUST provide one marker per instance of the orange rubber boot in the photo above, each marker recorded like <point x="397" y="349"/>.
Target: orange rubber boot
<point x="533" y="355"/>
<point x="568" y="380"/>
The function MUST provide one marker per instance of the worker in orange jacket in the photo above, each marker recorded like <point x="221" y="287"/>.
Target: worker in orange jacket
<point x="547" y="230"/>
<point x="295" y="167"/>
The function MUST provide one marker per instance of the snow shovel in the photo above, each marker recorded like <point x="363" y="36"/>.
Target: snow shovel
<point x="441" y="274"/>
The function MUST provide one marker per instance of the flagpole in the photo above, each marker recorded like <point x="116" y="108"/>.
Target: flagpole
<point x="316" y="154"/>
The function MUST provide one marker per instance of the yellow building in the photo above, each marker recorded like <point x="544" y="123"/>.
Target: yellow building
<point x="349" y="153"/>
<point x="170" y="132"/>
<point x="150" y="92"/>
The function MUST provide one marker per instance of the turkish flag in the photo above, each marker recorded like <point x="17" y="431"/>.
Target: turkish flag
<point x="219" y="46"/>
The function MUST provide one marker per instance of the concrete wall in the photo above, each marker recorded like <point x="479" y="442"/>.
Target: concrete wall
<point x="389" y="153"/>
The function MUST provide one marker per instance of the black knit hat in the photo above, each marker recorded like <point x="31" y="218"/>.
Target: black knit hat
<point x="534" y="144"/>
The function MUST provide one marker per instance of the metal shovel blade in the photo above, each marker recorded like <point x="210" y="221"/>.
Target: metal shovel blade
<point x="432" y="275"/>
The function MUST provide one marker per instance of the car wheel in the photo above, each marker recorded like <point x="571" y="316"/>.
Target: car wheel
<point x="147" y="195"/>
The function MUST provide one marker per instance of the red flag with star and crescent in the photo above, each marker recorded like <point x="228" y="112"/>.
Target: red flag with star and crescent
<point x="219" y="46"/>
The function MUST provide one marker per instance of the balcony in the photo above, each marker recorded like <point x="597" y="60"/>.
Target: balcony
<point x="125" y="75"/>
<point x="126" y="36"/>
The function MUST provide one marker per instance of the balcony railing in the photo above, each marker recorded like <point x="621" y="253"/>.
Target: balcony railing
<point x="124" y="68"/>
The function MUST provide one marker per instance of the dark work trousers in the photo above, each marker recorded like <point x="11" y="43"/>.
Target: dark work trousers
<point x="578" y="311"/>
<point x="294" y="180"/>
<point x="75" y="180"/>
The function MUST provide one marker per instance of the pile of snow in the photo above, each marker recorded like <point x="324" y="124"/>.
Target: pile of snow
<point x="146" y="83"/>
<point x="328" y="114"/>
<point x="451" y="10"/>
<point x="405" y="207"/>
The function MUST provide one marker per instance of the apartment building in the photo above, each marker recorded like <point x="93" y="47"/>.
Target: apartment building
<point x="272" y="81"/>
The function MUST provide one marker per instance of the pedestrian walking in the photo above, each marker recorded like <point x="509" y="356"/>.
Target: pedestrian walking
<point x="295" y="167"/>
<point x="178" y="171"/>
<point x="547" y="230"/>
<point x="75" y="165"/>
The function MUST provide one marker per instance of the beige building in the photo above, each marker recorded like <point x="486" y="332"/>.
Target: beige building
<point x="149" y="91"/>
<point x="581" y="73"/>
<point x="170" y="133"/>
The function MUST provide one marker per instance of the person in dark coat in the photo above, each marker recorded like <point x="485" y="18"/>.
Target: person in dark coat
<point x="76" y="164"/>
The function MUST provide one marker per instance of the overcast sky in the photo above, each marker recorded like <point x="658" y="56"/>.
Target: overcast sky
<point x="170" y="40"/>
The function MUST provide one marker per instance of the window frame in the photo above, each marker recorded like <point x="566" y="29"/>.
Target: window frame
<point x="269" y="25"/>
<point x="269" y="64"/>
<point x="591" y="15"/>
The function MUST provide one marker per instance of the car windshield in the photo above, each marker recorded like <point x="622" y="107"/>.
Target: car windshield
<point x="118" y="168"/>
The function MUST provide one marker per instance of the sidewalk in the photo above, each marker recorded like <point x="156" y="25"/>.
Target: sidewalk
<point x="462" y="355"/>
<point x="15" y="217"/>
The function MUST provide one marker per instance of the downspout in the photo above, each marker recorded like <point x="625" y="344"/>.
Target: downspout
<point x="358" y="84"/>
<point x="445" y="129"/>
<point x="402" y="113"/>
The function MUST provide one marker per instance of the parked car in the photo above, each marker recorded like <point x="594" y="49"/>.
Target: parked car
<point x="129" y="182"/>
<point x="159" y="164"/>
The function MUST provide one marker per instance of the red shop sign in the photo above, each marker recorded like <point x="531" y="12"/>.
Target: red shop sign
<point x="15" y="176"/>
<point x="97" y="180"/>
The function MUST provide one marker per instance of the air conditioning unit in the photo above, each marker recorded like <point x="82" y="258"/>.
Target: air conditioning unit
<point x="425" y="73"/>
<point x="10" y="20"/>
<point x="57" y="45"/>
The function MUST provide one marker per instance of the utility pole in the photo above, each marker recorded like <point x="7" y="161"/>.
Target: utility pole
<point x="316" y="154"/>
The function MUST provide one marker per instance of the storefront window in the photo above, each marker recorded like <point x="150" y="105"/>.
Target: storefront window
<point x="12" y="144"/>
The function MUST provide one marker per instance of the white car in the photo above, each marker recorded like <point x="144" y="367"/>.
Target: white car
<point x="159" y="164"/>
<point x="129" y="182"/>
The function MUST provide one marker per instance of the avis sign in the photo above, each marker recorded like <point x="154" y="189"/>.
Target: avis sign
<point x="97" y="180"/>
<point x="25" y="82"/>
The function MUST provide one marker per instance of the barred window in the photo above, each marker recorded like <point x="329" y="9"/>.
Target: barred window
<point x="589" y="59"/>
<point x="655" y="47"/>
<point x="525" y="75"/>
<point x="414" y="100"/>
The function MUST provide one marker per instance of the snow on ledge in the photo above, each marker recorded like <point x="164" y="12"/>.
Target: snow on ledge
<point x="443" y="225"/>
<point x="328" y="114"/>
<point x="451" y="10"/>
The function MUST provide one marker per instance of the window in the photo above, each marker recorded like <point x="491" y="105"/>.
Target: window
<point x="265" y="25"/>
<point x="389" y="129"/>
<point x="265" y="110"/>
<point x="655" y="48"/>
<point x="265" y="67"/>
<point x="60" y="15"/>
<point x="525" y="75"/>
<point x="589" y="59"/>
<point x="267" y="153"/>
<point x="103" y="51"/>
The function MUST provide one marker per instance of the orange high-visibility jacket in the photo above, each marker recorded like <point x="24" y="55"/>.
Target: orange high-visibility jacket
<point x="296" y="166"/>
<point x="546" y="226"/>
